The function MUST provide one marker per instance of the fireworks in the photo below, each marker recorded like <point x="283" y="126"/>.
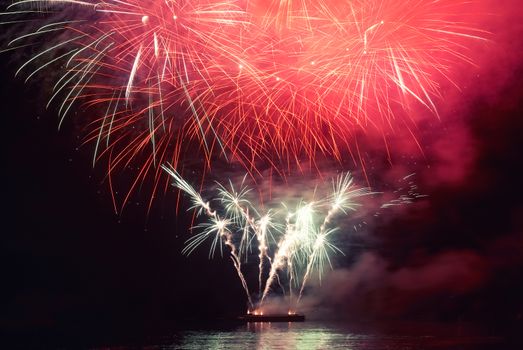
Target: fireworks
<point x="295" y="249"/>
<point x="270" y="81"/>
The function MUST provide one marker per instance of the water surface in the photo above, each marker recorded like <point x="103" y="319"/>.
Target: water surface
<point x="316" y="335"/>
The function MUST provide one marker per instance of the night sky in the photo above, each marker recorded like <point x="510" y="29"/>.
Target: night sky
<point x="69" y="264"/>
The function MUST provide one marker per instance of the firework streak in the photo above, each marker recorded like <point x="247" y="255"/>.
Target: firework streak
<point x="300" y="246"/>
<point x="275" y="81"/>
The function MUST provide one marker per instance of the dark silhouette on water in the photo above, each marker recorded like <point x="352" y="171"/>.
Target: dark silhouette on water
<point x="273" y="318"/>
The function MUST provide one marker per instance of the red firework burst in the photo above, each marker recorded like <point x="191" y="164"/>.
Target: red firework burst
<point x="278" y="81"/>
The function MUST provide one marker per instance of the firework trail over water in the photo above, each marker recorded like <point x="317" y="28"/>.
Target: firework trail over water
<point x="292" y="242"/>
<point x="248" y="81"/>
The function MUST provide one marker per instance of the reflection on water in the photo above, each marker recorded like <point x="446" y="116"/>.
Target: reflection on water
<point x="311" y="335"/>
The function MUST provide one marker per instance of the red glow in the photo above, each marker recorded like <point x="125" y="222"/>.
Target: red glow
<point x="277" y="81"/>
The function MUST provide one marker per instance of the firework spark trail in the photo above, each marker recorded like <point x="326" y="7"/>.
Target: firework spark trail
<point x="317" y="258"/>
<point x="277" y="81"/>
<point x="342" y="200"/>
<point x="233" y="203"/>
<point x="295" y="245"/>
<point x="261" y="235"/>
<point x="237" y="207"/>
<point x="151" y="54"/>
<point x="237" y="263"/>
<point x="219" y="225"/>
<point x="304" y="244"/>
<point x="344" y="193"/>
<point x="298" y="245"/>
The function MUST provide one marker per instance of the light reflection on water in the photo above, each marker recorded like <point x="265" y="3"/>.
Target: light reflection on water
<point x="311" y="335"/>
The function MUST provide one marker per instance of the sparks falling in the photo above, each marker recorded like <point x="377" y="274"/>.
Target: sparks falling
<point x="292" y="250"/>
<point x="273" y="81"/>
